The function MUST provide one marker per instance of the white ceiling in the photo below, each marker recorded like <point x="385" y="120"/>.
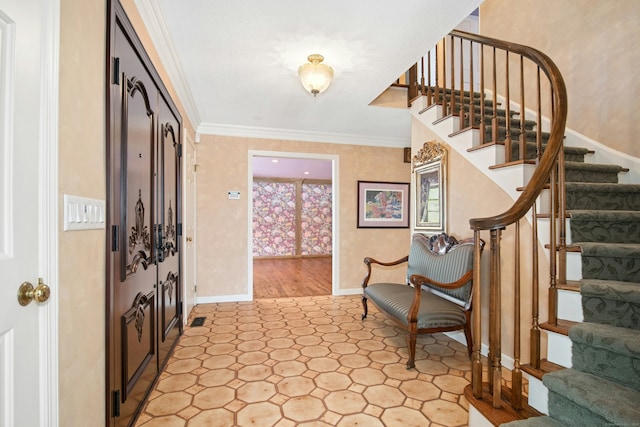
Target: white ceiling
<point x="234" y="63"/>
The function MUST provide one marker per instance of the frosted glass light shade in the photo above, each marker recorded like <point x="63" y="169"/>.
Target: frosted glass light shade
<point x="315" y="76"/>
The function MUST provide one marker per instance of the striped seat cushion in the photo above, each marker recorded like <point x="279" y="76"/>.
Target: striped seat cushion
<point x="435" y="312"/>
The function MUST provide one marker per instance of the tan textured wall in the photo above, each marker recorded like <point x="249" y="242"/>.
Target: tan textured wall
<point x="82" y="253"/>
<point x="594" y="44"/>
<point x="223" y="224"/>
<point x="82" y="172"/>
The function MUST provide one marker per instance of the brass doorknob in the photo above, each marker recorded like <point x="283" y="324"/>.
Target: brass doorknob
<point x="27" y="293"/>
<point x="188" y="239"/>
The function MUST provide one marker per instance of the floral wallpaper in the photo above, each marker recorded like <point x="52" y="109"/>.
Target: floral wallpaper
<point x="315" y="223"/>
<point x="274" y="219"/>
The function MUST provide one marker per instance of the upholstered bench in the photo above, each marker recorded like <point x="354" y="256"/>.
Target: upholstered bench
<point x="437" y="294"/>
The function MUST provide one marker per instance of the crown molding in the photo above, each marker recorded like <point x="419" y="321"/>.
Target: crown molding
<point x="298" y="135"/>
<point x="156" y="26"/>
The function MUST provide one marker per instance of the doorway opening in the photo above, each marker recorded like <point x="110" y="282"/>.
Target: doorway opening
<point x="292" y="224"/>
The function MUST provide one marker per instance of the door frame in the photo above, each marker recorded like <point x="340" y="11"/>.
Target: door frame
<point x="335" y="208"/>
<point x="189" y="215"/>
<point x="48" y="255"/>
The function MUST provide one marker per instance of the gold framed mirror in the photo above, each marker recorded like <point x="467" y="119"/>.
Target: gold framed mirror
<point x="430" y="189"/>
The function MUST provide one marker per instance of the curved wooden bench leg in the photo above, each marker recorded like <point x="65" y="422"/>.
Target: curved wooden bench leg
<point x="411" y="345"/>
<point x="364" y="305"/>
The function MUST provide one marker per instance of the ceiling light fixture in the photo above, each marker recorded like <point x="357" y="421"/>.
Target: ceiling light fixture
<point x="315" y="76"/>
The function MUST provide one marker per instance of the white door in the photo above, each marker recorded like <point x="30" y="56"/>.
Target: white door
<point x="28" y="140"/>
<point x="190" y="229"/>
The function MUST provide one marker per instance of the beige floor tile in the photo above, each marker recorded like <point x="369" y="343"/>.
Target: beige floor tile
<point x="405" y="417"/>
<point x="296" y="386"/>
<point x="212" y="418"/>
<point x="333" y="381"/>
<point x="289" y="368"/>
<point x="213" y="397"/>
<point x="259" y="391"/>
<point x="168" y="421"/>
<point x="169" y="403"/>
<point x="303" y="408"/>
<point x="345" y="402"/>
<point x="445" y="413"/>
<point x="384" y="396"/>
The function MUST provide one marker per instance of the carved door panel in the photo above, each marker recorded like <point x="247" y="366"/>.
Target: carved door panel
<point x="169" y="283"/>
<point x="134" y="272"/>
<point x="143" y="274"/>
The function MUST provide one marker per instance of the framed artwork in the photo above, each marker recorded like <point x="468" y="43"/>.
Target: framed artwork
<point x="430" y="196"/>
<point x="383" y="204"/>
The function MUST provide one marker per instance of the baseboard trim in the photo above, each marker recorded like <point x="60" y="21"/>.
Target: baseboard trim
<point x="223" y="298"/>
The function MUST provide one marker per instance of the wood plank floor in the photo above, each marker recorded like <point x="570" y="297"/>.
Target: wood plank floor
<point x="291" y="277"/>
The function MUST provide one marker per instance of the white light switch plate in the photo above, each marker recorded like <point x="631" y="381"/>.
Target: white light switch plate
<point x="82" y="213"/>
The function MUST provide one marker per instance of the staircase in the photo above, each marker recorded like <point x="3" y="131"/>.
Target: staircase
<point x="602" y="385"/>
<point x="592" y="377"/>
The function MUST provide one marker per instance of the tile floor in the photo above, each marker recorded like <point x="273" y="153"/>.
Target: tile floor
<point x="306" y="361"/>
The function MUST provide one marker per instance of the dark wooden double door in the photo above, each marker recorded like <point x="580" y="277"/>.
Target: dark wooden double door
<point x="143" y="266"/>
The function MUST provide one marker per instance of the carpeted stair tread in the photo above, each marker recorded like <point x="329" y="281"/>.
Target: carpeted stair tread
<point x="515" y="122"/>
<point x="448" y="91"/>
<point x="607" y="364"/>
<point x="591" y="399"/>
<point x="530" y="135"/>
<point x="622" y="341"/>
<point x="611" y="302"/>
<point x="606" y="188"/>
<point x="465" y="102"/>
<point x="544" y="421"/>
<point x="624" y="250"/>
<point x="602" y="196"/>
<point x="607" y="351"/>
<point x="610" y="261"/>
<point x="573" y="154"/>
<point x="594" y="167"/>
<point x="605" y="226"/>
<point x="591" y="172"/>
<point x="607" y="216"/>
<point x="488" y="111"/>
<point x="611" y="289"/>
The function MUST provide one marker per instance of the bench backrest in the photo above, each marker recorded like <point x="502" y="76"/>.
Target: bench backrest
<point x="444" y="259"/>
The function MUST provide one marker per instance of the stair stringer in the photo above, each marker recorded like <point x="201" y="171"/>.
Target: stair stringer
<point x="602" y="154"/>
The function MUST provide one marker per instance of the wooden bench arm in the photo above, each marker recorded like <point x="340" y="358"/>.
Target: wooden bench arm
<point x="418" y="280"/>
<point x="369" y="261"/>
